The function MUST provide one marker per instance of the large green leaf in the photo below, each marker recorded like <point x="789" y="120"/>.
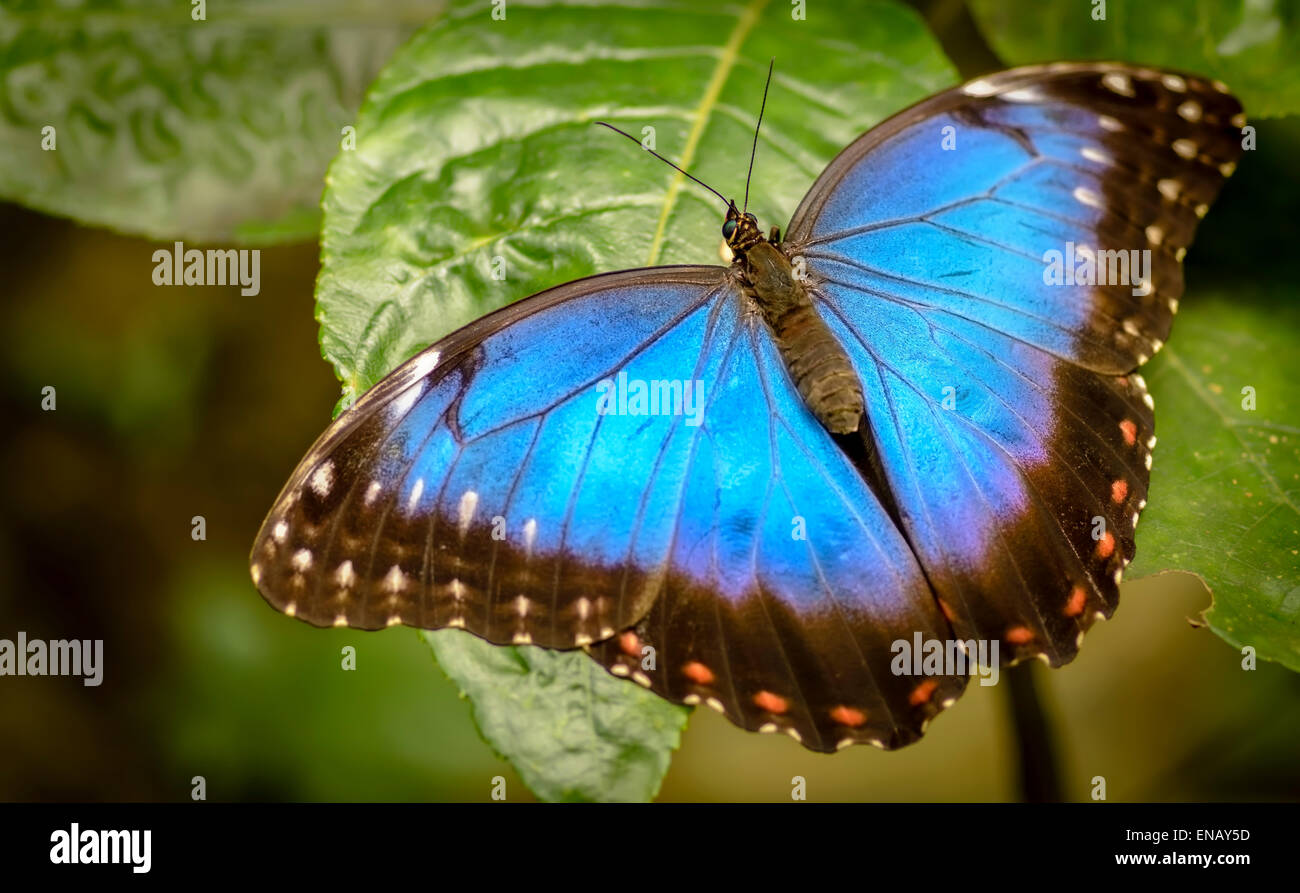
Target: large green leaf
<point x="477" y="142"/>
<point x="1252" y="45"/>
<point x="571" y="730"/>
<point x="173" y="128"/>
<point x="1225" y="484"/>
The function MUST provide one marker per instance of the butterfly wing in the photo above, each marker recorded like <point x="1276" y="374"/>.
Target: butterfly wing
<point x="726" y="554"/>
<point x="1003" y="416"/>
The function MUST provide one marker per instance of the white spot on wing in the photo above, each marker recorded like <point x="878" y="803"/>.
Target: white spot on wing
<point x="322" y="479"/>
<point x="424" y="363"/>
<point x="468" y="502"/>
<point x="1023" y="94"/>
<point x="1117" y="82"/>
<point x="416" y="492"/>
<point x="345" y="575"/>
<point x="1087" y="197"/>
<point x="980" y="87"/>
<point x="395" y="580"/>
<point x="1093" y="154"/>
<point x="403" y="402"/>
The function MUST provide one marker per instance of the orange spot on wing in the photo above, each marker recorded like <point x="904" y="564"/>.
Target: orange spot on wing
<point x="698" y="673"/>
<point x="630" y="644"/>
<point x="1019" y="635"/>
<point x="947" y="611"/>
<point x="1130" y="431"/>
<point x="848" y="716"/>
<point x="1119" y="491"/>
<point x="922" y="692"/>
<point x="771" y="703"/>
<point x="1076" y="602"/>
<point x="1106" y="545"/>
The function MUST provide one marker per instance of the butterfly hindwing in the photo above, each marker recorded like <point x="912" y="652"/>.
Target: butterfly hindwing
<point x="789" y="584"/>
<point x="1001" y="401"/>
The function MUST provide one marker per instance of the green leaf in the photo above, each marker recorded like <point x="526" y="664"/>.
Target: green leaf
<point x="1225" y="484"/>
<point x="572" y="731"/>
<point x="1224" y="481"/>
<point x="477" y="142"/>
<point x="173" y="128"/>
<point x="1254" y="47"/>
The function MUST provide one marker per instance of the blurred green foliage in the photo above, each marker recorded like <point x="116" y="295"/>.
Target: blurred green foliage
<point x="1254" y="47"/>
<point x="171" y="127"/>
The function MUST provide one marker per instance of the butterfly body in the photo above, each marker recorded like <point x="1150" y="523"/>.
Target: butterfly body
<point x="729" y="546"/>
<point x="816" y="361"/>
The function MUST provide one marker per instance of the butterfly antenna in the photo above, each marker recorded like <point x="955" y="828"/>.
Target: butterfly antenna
<point x="665" y="161"/>
<point x="754" y="151"/>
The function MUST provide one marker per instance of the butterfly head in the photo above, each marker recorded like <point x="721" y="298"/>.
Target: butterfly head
<point x="740" y="229"/>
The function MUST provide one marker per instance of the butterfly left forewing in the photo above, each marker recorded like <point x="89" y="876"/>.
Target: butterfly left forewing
<point x="479" y="487"/>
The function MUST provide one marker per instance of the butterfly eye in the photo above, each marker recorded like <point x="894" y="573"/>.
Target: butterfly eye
<point x="728" y="229"/>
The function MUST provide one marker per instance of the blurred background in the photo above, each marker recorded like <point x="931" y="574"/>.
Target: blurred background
<point x="199" y="401"/>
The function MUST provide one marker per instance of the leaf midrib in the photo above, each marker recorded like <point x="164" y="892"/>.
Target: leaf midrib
<point x="721" y="71"/>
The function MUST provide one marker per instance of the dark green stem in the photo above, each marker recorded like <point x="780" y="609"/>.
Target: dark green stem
<point x="1039" y="775"/>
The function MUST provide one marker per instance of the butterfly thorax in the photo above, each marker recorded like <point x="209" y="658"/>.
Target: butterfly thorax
<point x="815" y="359"/>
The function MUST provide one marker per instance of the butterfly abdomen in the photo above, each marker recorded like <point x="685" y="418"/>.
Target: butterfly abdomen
<point x="817" y="362"/>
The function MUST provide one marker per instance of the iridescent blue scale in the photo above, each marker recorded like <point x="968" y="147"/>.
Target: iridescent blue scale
<point x="505" y="482"/>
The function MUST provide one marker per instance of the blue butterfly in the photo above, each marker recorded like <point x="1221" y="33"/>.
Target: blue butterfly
<point x="914" y="418"/>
